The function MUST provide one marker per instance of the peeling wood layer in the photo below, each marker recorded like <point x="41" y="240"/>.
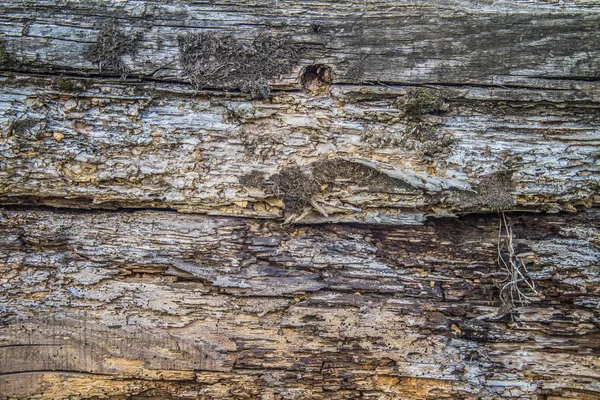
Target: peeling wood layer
<point x="370" y="156"/>
<point x="238" y="308"/>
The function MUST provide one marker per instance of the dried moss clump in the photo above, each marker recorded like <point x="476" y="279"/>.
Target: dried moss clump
<point x="21" y="126"/>
<point x="6" y="60"/>
<point x="295" y="187"/>
<point x="4" y="56"/>
<point x="211" y="60"/>
<point x="493" y="192"/>
<point x="28" y="128"/>
<point x="328" y="172"/>
<point x="423" y="132"/>
<point x="421" y="101"/>
<point x="253" y="178"/>
<point x="111" y="44"/>
<point x="298" y="186"/>
<point x="429" y="138"/>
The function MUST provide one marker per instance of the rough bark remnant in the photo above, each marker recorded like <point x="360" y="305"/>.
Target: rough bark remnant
<point x="281" y="200"/>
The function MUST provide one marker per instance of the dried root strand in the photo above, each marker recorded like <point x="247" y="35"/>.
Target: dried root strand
<point x="518" y="286"/>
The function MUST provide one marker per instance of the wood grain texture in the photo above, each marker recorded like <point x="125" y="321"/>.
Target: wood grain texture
<point x="514" y="83"/>
<point x="170" y="172"/>
<point x="138" y="145"/>
<point x="163" y="304"/>
<point x="525" y="43"/>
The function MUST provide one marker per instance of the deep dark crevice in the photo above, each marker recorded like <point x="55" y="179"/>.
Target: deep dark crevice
<point x="129" y="210"/>
<point x="3" y="346"/>
<point x="132" y="78"/>
<point x="458" y="85"/>
<point x="83" y="209"/>
<point x="316" y="79"/>
<point x="97" y="374"/>
<point x="57" y="371"/>
<point x="569" y="78"/>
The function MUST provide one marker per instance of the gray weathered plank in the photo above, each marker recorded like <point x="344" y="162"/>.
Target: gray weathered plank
<point x="525" y="43"/>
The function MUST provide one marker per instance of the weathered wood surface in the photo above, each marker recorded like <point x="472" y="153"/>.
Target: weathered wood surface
<point x="521" y="43"/>
<point x="139" y="145"/>
<point x="478" y="145"/>
<point x="380" y="112"/>
<point x="154" y="303"/>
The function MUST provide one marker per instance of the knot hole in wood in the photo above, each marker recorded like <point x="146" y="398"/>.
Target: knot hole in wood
<point x="316" y="79"/>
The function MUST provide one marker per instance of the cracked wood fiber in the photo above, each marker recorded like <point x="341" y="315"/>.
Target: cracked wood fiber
<point x="154" y="303"/>
<point x="498" y="107"/>
<point x="109" y="147"/>
<point x="283" y="200"/>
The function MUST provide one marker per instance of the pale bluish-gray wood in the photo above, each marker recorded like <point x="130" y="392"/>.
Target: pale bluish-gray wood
<point x="140" y="145"/>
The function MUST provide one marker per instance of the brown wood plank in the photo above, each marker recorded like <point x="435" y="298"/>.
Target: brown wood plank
<point x="104" y="303"/>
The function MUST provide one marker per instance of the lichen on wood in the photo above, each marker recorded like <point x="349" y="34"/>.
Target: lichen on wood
<point x="188" y="152"/>
<point x="421" y="101"/>
<point x="4" y="56"/>
<point x="68" y="85"/>
<point x="493" y="192"/>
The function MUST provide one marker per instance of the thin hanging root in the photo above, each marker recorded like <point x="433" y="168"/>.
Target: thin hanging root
<point x="516" y="270"/>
